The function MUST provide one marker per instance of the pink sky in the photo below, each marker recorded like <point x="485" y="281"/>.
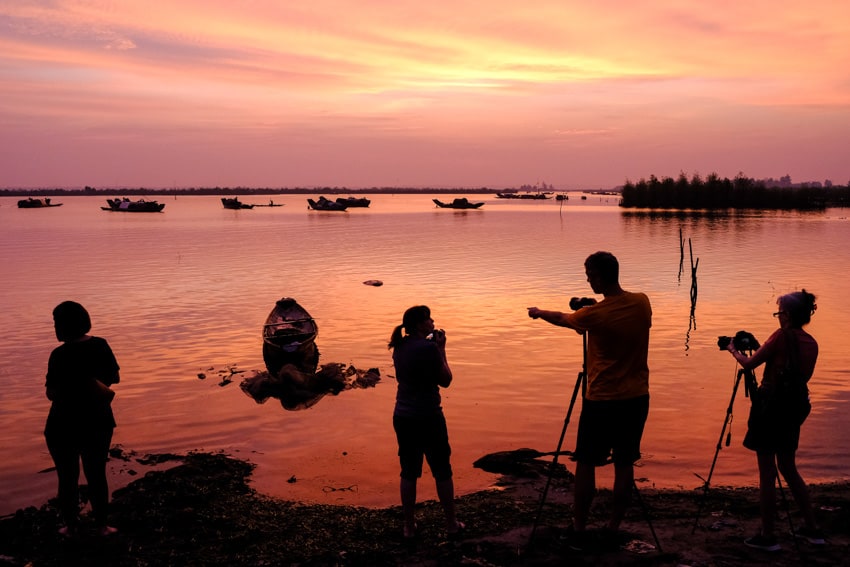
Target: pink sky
<point x="444" y="94"/>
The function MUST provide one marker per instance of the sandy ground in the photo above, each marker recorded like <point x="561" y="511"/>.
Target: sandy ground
<point x="203" y="512"/>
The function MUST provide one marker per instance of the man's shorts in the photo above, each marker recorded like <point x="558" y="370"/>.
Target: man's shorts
<point x="611" y="430"/>
<point x="426" y="437"/>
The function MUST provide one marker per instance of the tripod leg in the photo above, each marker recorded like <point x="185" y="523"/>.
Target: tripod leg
<point x="648" y="518"/>
<point x="554" y="464"/>
<point x="707" y="482"/>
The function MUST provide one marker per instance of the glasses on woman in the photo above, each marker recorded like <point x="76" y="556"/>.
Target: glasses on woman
<point x="778" y="313"/>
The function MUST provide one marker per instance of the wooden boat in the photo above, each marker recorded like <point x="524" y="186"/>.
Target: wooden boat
<point x="269" y="204"/>
<point x="31" y="203"/>
<point x="234" y="203"/>
<point x="353" y="201"/>
<point x="323" y="204"/>
<point x="459" y="203"/>
<point x="125" y="205"/>
<point x="289" y="337"/>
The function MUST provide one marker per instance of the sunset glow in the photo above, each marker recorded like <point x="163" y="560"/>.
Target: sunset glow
<point x="461" y="94"/>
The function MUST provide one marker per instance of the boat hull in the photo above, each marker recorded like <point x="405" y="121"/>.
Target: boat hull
<point x="289" y="337"/>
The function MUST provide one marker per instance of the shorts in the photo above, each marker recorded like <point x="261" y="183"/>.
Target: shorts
<point x="611" y="430"/>
<point x="423" y="436"/>
<point x="774" y="432"/>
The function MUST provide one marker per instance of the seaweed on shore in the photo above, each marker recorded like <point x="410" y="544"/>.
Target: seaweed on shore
<point x="203" y="512"/>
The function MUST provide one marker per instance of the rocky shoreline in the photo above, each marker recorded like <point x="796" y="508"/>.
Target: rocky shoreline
<point x="203" y="512"/>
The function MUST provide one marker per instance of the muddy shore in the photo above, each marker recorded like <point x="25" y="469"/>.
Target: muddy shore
<point x="204" y="512"/>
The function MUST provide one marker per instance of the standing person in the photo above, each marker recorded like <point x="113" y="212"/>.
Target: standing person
<point x="780" y="406"/>
<point x="419" y="357"/>
<point x="80" y="423"/>
<point x="616" y="403"/>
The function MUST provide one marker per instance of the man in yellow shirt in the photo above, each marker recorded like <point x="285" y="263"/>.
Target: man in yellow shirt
<point x="616" y="402"/>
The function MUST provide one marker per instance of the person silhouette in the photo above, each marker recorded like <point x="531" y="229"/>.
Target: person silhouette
<point x="80" y="422"/>
<point x="419" y="357"/>
<point x="780" y="406"/>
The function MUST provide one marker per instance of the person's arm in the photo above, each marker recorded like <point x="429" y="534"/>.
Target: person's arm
<point x="758" y="358"/>
<point x="444" y="375"/>
<point x="554" y="317"/>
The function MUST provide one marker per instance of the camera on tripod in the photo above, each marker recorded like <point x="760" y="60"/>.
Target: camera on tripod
<point x="577" y="303"/>
<point x="742" y="341"/>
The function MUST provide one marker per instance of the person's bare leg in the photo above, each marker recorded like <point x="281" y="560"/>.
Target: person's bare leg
<point x="408" y="506"/>
<point x="624" y="477"/>
<point x="767" y="492"/>
<point x="446" y="494"/>
<point x="788" y="467"/>
<point x="585" y="490"/>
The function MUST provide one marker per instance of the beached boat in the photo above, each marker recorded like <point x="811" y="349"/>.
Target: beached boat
<point x="125" y="205"/>
<point x="353" y="201"/>
<point x="289" y="337"/>
<point x="323" y="204"/>
<point x="31" y="203"/>
<point x="459" y="203"/>
<point x="234" y="203"/>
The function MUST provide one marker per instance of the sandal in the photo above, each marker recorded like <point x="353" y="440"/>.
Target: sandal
<point x="458" y="532"/>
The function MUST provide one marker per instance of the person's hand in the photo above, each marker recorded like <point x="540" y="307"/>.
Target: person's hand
<point x="533" y="312"/>
<point x="731" y="348"/>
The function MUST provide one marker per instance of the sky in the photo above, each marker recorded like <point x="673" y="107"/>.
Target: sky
<point x="372" y="93"/>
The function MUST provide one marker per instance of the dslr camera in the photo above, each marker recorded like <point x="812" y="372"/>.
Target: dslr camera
<point x="438" y="333"/>
<point x="577" y="303"/>
<point x="742" y="341"/>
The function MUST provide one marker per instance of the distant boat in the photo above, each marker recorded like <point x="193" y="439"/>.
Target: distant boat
<point x="234" y="203"/>
<point x="459" y="203"/>
<point x="353" y="201"/>
<point x="30" y="203"/>
<point x="125" y="205"/>
<point x="562" y="197"/>
<point x="270" y="204"/>
<point x="523" y="196"/>
<point x="323" y="204"/>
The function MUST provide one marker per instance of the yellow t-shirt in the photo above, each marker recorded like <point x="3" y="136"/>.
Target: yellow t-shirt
<point x="617" y="345"/>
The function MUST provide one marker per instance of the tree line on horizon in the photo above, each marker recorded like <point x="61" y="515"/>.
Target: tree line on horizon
<point x="742" y="192"/>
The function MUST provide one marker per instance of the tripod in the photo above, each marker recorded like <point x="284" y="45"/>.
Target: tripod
<point x="749" y="387"/>
<point x="581" y="383"/>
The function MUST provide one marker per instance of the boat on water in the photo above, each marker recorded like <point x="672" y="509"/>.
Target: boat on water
<point x="354" y="201"/>
<point x="458" y="203"/>
<point x="324" y="204"/>
<point x="505" y="195"/>
<point x="289" y="337"/>
<point x="234" y="203"/>
<point x="125" y="205"/>
<point x="269" y="204"/>
<point x="31" y="203"/>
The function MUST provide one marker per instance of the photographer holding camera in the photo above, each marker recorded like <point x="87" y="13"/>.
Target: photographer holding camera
<point x="780" y="405"/>
<point x="419" y="357"/>
<point x="616" y="403"/>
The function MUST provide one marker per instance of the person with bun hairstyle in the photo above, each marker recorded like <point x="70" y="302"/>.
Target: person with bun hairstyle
<point x="419" y="357"/>
<point x="80" y="423"/>
<point x="780" y="406"/>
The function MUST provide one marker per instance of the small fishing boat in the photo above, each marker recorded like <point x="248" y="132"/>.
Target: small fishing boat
<point x="353" y="201"/>
<point x="269" y="204"/>
<point x="234" y="203"/>
<point x="125" y="205"/>
<point x="31" y="203"/>
<point x="323" y="204"/>
<point x="289" y="337"/>
<point x="459" y="203"/>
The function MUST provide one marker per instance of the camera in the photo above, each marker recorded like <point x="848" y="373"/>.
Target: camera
<point x="577" y="303"/>
<point x="742" y="341"/>
<point x="438" y="333"/>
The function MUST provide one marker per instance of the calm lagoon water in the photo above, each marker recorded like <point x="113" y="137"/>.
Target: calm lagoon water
<point x="186" y="291"/>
